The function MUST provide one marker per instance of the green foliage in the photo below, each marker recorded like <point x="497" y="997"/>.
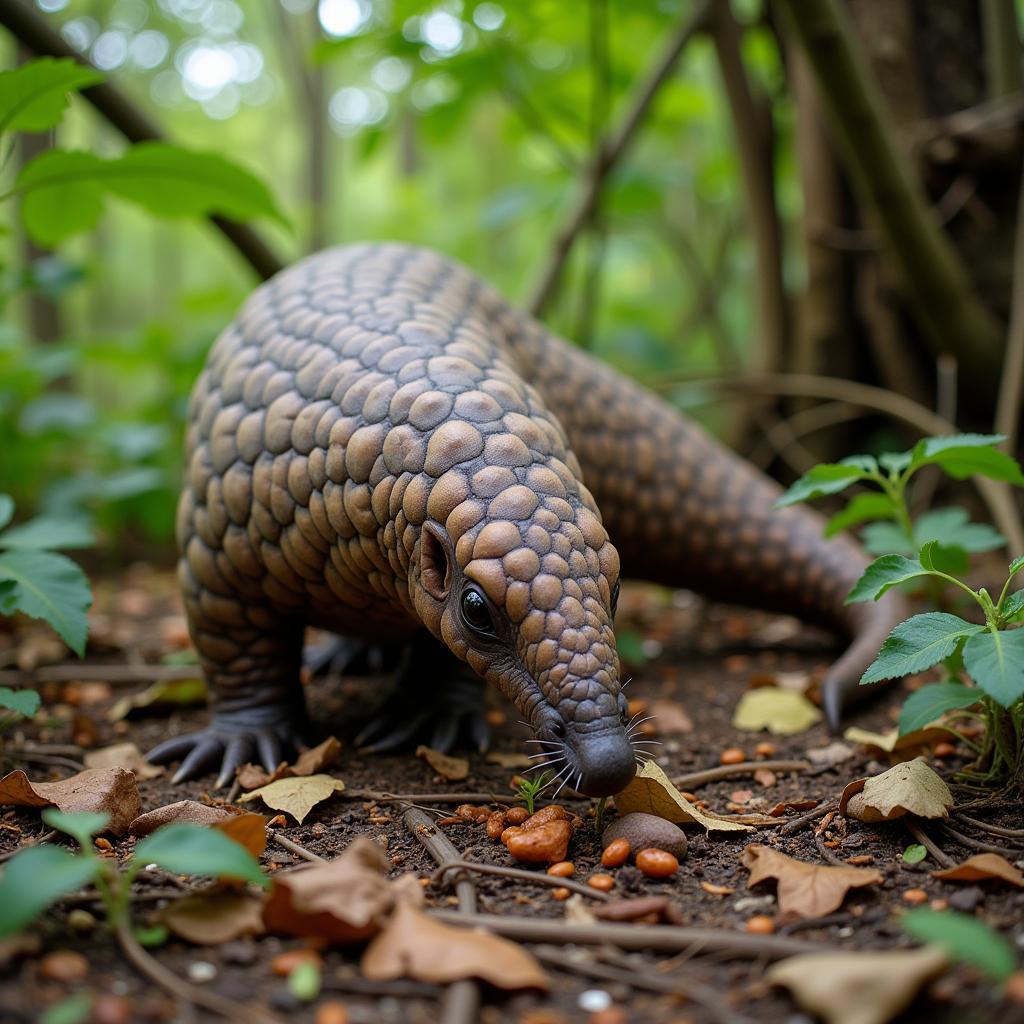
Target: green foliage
<point x="924" y="706"/>
<point x="81" y="826"/>
<point x="22" y="702"/>
<point x="530" y="789"/>
<point x="193" y="850"/>
<point x="995" y="660"/>
<point x="882" y="575"/>
<point x="42" y="584"/>
<point x="965" y="939"/>
<point x="34" y="97"/>
<point x="915" y="853"/>
<point x="920" y="642"/>
<point x="37" y="877"/>
<point x="75" y="1009"/>
<point x="304" y="981"/>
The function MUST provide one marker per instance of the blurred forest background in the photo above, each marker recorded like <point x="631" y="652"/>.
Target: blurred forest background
<point x="673" y="185"/>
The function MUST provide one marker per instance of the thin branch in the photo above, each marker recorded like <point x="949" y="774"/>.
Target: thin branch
<point x="535" y="877"/>
<point x="604" y="159"/>
<point x="1011" y="383"/>
<point x="996" y="496"/>
<point x="934" y="279"/>
<point x="730" y="771"/>
<point x="940" y="855"/>
<point x="1002" y="47"/>
<point x="33" y="30"/>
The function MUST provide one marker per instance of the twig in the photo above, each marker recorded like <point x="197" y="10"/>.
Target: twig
<point x="977" y="844"/>
<point x="44" y="838"/>
<point x="427" y="798"/>
<point x="51" y="759"/>
<point x="115" y="675"/>
<point x="37" y="34"/>
<point x="1011" y="383"/>
<point x="805" y="819"/>
<point x="461" y="1001"/>
<point x="819" y="842"/>
<point x="293" y="847"/>
<point x="996" y="830"/>
<point x="181" y="989"/>
<point x="604" y="159"/>
<point x="940" y="855"/>
<point x="727" y="771"/>
<point x="663" y="938"/>
<point x="537" y="877"/>
<point x="805" y="385"/>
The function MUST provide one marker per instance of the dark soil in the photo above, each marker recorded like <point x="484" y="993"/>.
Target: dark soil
<point x="701" y="658"/>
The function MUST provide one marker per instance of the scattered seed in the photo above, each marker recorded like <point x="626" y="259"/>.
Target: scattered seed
<point x="553" y="812"/>
<point x="331" y="1013"/>
<point x="601" y="882"/>
<point x="656" y="863"/>
<point x="765" y="750"/>
<point x="915" y="896"/>
<point x="496" y="825"/>
<point x="517" y="815"/>
<point x="616" y="853"/>
<point x="760" y="924"/>
<point x="81" y="920"/>
<point x="563" y="869"/>
<point x="717" y="890"/>
<point x="64" y="965"/>
<point x="860" y="859"/>
<point x="284" y="963"/>
<point x="560" y="893"/>
<point x="1014" y="988"/>
<point x="733" y="755"/>
<point x="944" y="749"/>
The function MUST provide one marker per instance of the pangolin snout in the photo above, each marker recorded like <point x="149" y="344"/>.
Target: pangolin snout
<point x="604" y="760"/>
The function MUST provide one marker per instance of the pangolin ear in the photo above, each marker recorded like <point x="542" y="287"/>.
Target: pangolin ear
<point x="435" y="561"/>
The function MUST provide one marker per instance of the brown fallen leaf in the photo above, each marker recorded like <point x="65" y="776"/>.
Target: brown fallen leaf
<point x="248" y="830"/>
<point x="858" y="988"/>
<point x="804" y="890"/>
<point x="343" y="900"/>
<point x="123" y="755"/>
<point x="908" y="788"/>
<point x="414" y="945"/>
<point x="112" y="791"/>
<point x="670" y="717"/>
<point x="791" y="805"/>
<point x="508" y="759"/>
<point x="190" y="811"/>
<point x="213" y="916"/>
<point x="296" y="796"/>
<point x="899" y="748"/>
<point x="309" y="762"/>
<point x="982" y="867"/>
<point x="451" y="768"/>
<point x="831" y="754"/>
<point x="652" y="792"/>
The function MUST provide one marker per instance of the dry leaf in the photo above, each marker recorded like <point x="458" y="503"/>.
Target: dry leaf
<point x="781" y="712"/>
<point x="190" y="811"/>
<point x="858" y="988"/>
<point x="248" y="830"/>
<point x="804" y="890"/>
<point x="982" y="867"/>
<point x="414" y="945"/>
<point x="899" y="748"/>
<point x="213" y="916"/>
<point x="309" y="762"/>
<point x="652" y="792"/>
<point x="112" y="791"/>
<point x="508" y="759"/>
<point x="451" y="768"/>
<point x="908" y="788"/>
<point x="174" y="692"/>
<point x="343" y="900"/>
<point x="828" y="756"/>
<point x="296" y="796"/>
<point x="123" y="755"/>
<point x="791" y="805"/>
<point x="670" y="717"/>
<point x="717" y="890"/>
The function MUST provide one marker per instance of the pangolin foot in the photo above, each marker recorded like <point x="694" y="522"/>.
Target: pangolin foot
<point x="350" y="656"/>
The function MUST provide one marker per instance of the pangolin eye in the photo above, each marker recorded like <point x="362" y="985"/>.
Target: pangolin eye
<point x="475" y="612"/>
<point x="615" y="598"/>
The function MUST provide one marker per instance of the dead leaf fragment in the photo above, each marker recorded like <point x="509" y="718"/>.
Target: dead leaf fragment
<point x="858" y="988"/>
<point x="309" y="762"/>
<point x="899" y="748"/>
<point x="832" y="754"/>
<point x="248" y="830"/>
<point x="652" y="792"/>
<point x="414" y="945"/>
<point x="908" y="788"/>
<point x="983" y="867"/>
<point x="123" y="755"/>
<point x="717" y="890"/>
<point x="343" y="900"/>
<point x="173" y="692"/>
<point x="670" y="717"/>
<point x="804" y="890"/>
<point x="781" y="712"/>
<point x="112" y="791"/>
<point x="213" y="916"/>
<point x="190" y="811"/>
<point x="451" y="768"/>
<point x="508" y="759"/>
<point x="296" y="796"/>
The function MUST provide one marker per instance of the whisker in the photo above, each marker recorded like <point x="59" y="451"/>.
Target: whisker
<point x="568" y="768"/>
<point x="635" y="741"/>
<point x="622" y="686"/>
<point x="543" y="764"/>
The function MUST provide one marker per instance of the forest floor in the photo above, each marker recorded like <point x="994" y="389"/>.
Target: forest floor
<point x="698" y="661"/>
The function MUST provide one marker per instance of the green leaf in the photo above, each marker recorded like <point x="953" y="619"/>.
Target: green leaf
<point x="882" y="574"/>
<point x="35" y="96"/>
<point x="6" y="509"/>
<point x="894" y="462"/>
<point x="1013" y="606"/>
<point x="964" y="938"/>
<point x="304" y="981"/>
<point x="862" y="507"/>
<point x="920" y="642"/>
<point x="828" y="478"/>
<point x="964" y="455"/>
<point x="35" y="878"/>
<point x="950" y="527"/>
<point x="81" y="826"/>
<point x="915" y="853"/>
<point x="63" y="191"/>
<point x="1016" y="565"/>
<point x="74" y="1010"/>
<point x="24" y="702"/>
<point x="888" y="539"/>
<point x="151" y="937"/>
<point x="49" y="587"/>
<point x="194" y="850"/>
<point x="995" y="660"/>
<point x="923" y="706"/>
<point x="48" y="533"/>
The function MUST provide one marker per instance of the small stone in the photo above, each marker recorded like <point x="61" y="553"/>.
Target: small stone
<point x="966" y="899"/>
<point x="240" y="954"/>
<point x="201" y="971"/>
<point x="593" y="1000"/>
<point x="284" y="963"/>
<point x="111" y="1009"/>
<point x="645" y="831"/>
<point x="282" y="999"/>
<point x="1013" y="990"/>
<point x="81" y="920"/>
<point x="64" y="965"/>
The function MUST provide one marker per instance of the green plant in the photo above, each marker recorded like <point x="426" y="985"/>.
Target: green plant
<point x="990" y="653"/>
<point x="964" y="938"/>
<point x="40" y="875"/>
<point x="530" y="789"/>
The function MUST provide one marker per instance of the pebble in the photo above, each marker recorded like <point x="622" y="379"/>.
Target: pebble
<point x="81" y="920"/>
<point x="201" y="971"/>
<point x="967" y="899"/>
<point x="646" y="831"/>
<point x="284" y="963"/>
<point x="594" y="1000"/>
<point x="282" y="999"/>
<point x="1013" y="990"/>
<point x="110" y="1009"/>
<point x="64" y="965"/>
<point x="241" y="954"/>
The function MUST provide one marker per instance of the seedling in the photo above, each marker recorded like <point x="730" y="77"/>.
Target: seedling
<point x="37" y="877"/>
<point x="530" y="789"/>
<point x="992" y="653"/>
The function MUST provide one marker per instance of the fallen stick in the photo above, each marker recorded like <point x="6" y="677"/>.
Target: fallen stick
<point x="537" y="877"/>
<point x="729" y="771"/>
